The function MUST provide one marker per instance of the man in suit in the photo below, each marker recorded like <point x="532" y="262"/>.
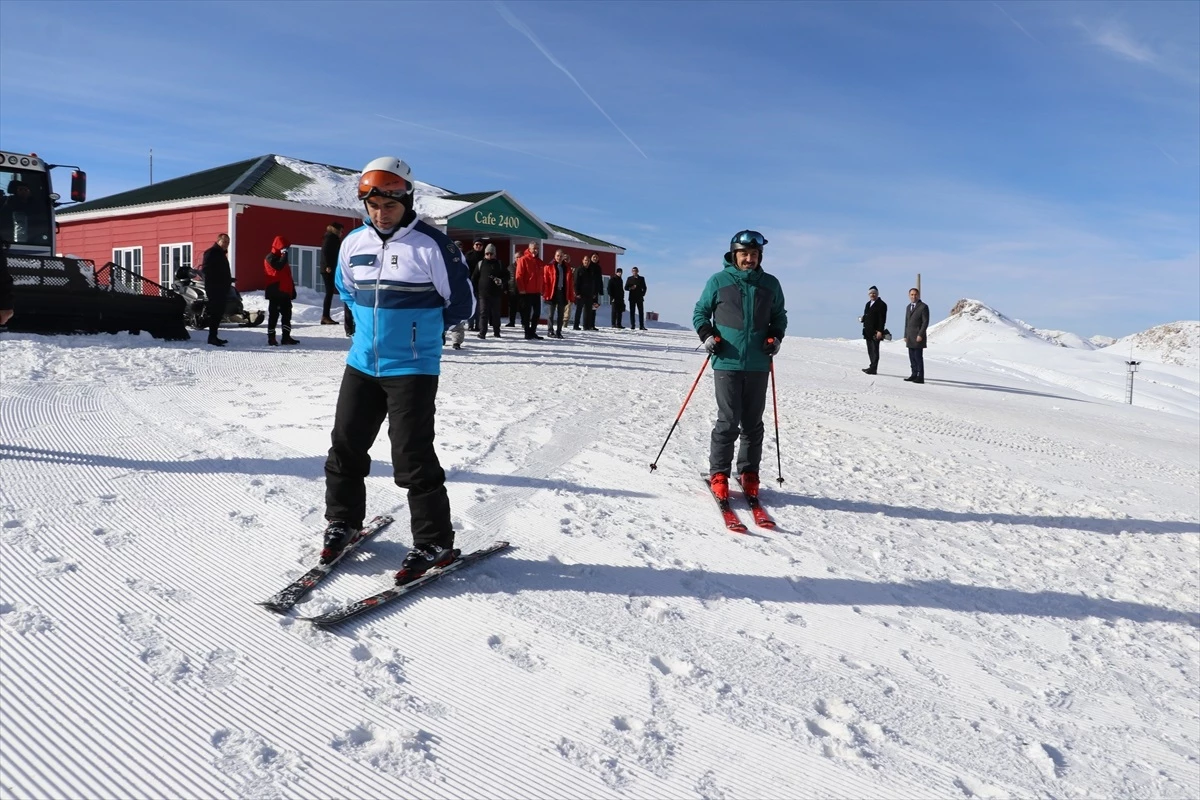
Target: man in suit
<point x="916" y="335"/>
<point x="873" y="319"/>
<point x="616" y="298"/>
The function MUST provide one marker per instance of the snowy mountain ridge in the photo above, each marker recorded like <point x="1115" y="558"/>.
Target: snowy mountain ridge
<point x="976" y="321"/>
<point x="1172" y="343"/>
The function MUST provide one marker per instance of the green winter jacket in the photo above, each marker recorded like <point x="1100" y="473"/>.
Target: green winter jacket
<point x="743" y="308"/>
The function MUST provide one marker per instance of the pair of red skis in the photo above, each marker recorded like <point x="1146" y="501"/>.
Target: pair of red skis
<point x="734" y="523"/>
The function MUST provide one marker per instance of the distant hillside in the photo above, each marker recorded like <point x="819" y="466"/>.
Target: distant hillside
<point x="1173" y="343"/>
<point x="976" y="321"/>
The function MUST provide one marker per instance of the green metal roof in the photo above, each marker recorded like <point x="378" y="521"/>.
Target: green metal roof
<point x="472" y="197"/>
<point x="210" y="182"/>
<point x="583" y="236"/>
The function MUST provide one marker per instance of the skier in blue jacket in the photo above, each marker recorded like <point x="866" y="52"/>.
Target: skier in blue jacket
<point x="405" y="283"/>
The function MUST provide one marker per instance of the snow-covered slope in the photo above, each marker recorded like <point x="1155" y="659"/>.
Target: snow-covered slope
<point x="976" y="321"/>
<point x="1173" y="343"/>
<point x="981" y="587"/>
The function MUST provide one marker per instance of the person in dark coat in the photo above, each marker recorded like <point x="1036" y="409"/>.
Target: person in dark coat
<point x="589" y="313"/>
<point x="916" y="334"/>
<point x="217" y="282"/>
<point x="514" y="298"/>
<point x="489" y="288"/>
<point x="873" y="319"/>
<point x="281" y="291"/>
<point x="473" y="259"/>
<point x="616" y="298"/>
<point x="586" y="291"/>
<point x="329" y="257"/>
<point x="636" y="286"/>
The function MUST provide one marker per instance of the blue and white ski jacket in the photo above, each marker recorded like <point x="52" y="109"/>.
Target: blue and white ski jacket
<point x="404" y="293"/>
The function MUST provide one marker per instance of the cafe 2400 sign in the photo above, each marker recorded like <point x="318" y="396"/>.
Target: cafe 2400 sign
<point x="497" y="220"/>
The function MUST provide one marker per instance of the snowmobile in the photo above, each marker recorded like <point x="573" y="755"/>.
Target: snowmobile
<point x="189" y="284"/>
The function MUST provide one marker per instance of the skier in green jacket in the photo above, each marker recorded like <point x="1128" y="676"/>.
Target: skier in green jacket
<point x="741" y="319"/>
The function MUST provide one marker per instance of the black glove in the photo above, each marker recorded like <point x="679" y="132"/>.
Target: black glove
<point x="772" y="344"/>
<point x="712" y="344"/>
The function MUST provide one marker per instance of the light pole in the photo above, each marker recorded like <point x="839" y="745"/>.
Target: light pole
<point x="1133" y="365"/>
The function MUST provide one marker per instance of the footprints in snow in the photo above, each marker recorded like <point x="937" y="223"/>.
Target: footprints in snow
<point x="260" y="769"/>
<point x="24" y="618"/>
<point x="843" y="734"/>
<point x="405" y="754"/>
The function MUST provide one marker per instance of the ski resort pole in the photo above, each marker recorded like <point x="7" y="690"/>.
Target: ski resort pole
<point x="654" y="463"/>
<point x="775" y="405"/>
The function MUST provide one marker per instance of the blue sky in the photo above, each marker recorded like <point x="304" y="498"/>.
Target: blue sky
<point x="1041" y="157"/>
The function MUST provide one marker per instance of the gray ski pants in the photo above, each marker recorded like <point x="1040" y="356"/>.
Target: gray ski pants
<point x="741" y="400"/>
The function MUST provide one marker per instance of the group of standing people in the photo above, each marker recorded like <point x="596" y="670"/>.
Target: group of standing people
<point x="916" y="331"/>
<point x="560" y="285"/>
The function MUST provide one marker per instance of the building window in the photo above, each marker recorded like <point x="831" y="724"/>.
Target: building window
<point x="171" y="258"/>
<point x="130" y="276"/>
<point x="305" y="263"/>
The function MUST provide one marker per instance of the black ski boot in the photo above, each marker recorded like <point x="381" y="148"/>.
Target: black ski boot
<point x="337" y="533"/>
<point x="423" y="558"/>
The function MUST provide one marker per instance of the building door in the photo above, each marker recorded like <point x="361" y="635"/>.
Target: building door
<point x="305" y="269"/>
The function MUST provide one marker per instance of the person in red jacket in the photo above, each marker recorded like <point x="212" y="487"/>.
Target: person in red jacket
<point x="529" y="284"/>
<point x="281" y="291"/>
<point x="558" y="289"/>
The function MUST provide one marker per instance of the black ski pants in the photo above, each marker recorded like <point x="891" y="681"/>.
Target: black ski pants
<point x="741" y="400"/>
<point x="407" y="402"/>
<point x="618" y="313"/>
<point x="278" y="307"/>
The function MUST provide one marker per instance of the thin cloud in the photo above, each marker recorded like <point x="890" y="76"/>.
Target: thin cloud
<point x="1170" y="157"/>
<point x="1114" y="38"/>
<point x="522" y="28"/>
<point x="478" y="141"/>
<point x="1020" y="27"/>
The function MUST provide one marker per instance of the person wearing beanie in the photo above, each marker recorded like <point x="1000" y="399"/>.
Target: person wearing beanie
<point x="741" y="346"/>
<point x="873" y="319"/>
<point x="491" y="280"/>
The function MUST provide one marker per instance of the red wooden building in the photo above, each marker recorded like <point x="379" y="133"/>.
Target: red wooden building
<point x="155" y="229"/>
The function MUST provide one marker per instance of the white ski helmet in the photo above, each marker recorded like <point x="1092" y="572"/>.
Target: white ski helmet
<point x="387" y="177"/>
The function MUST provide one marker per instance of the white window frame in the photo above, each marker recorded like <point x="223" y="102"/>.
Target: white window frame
<point x="296" y="260"/>
<point x="131" y="259"/>
<point x="166" y="255"/>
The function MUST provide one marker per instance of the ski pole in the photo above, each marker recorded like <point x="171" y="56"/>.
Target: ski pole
<point x="775" y="405"/>
<point x="654" y="463"/>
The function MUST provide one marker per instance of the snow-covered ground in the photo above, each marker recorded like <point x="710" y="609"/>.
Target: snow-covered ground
<point x="985" y="586"/>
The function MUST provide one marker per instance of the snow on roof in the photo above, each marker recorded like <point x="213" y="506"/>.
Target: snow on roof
<point x="337" y="187"/>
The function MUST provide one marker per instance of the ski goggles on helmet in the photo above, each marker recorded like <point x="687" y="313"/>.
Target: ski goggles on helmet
<point x="746" y="240"/>
<point x="378" y="183"/>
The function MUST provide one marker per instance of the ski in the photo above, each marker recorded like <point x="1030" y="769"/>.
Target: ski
<point x="732" y="522"/>
<point x="399" y="590"/>
<point x="288" y="596"/>
<point x="761" y="518"/>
